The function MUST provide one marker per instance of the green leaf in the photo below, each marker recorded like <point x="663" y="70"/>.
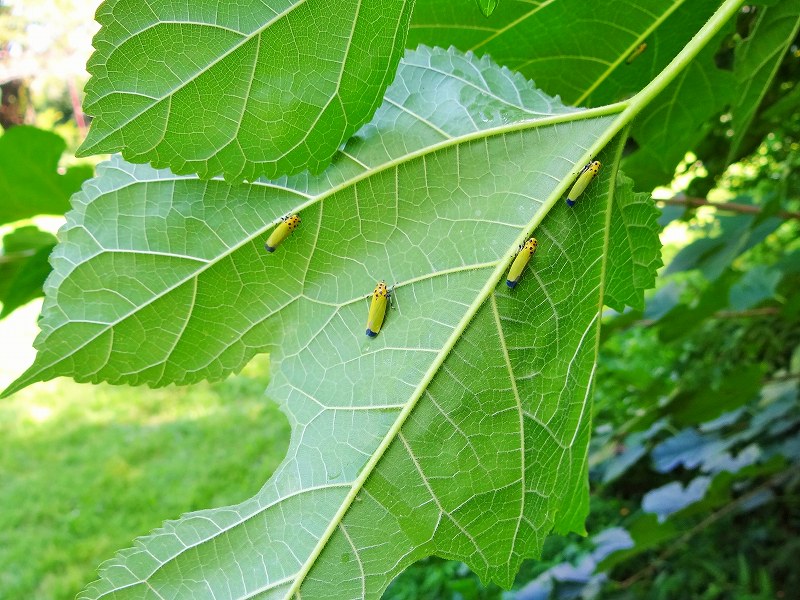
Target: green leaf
<point x="245" y="88"/>
<point x="570" y="48"/>
<point x="758" y="284"/>
<point x="672" y="497"/>
<point x="487" y="6"/>
<point x="756" y="63"/>
<point x="682" y="116"/>
<point x="28" y="282"/>
<point x="170" y="290"/>
<point x="647" y="533"/>
<point x="23" y="240"/>
<point x="713" y="256"/>
<point x="461" y="430"/>
<point x="690" y="407"/>
<point x="23" y="266"/>
<point x="632" y="264"/>
<point x="558" y="45"/>
<point x="683" y="318"/>
<point x="18" y="247"/>
<point x="30" y="184"/>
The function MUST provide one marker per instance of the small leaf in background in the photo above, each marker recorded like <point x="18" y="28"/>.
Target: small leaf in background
<point x="578" y="578"/>
<point x="487" y="6"/>
<point x="683" y="319"/>
<point x="647" y="532"/>
<point x="665" y="298"/>
<point x="732" y="464"/>
<point x="632" y="449"/>
<point x="713" y="254"/>
<point x="609" y="541"/>
<point x="687" y="449"/>
<point x="724" y="420"/>
<point x="673" y="497"/>
<point x="25" y="239"/>
<point x="689" y="407"/>
<point x="30" y="183"/>
<point x="756" y="285"/>
<point x="28" y="282"/>
<point x="23" y="266"/>
<point x="252" y="88"/>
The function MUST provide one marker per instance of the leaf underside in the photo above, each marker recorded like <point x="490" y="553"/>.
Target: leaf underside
<point x="207" y="87"/>
<point x="461" y="430"/>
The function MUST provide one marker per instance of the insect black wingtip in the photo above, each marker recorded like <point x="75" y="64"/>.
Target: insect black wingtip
<point x="511" y="284"/>
<point x="570" y="202"/>
<point x="269" y="248"/>
<point x="371" y="333"/>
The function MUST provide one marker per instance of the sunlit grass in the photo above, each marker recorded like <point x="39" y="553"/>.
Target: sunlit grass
<point x="86" y="469"/>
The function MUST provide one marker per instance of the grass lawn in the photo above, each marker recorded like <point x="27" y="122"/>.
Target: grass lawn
<point x="85" y="469"/>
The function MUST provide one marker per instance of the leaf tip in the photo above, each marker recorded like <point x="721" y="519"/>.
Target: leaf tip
<point x="15" y="386"/>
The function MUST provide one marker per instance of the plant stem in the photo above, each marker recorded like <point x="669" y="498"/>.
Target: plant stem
<point x="723" y="314"/>
<point x="726" y="206"/>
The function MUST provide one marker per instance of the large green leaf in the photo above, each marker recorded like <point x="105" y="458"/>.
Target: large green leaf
<point x="585" y="53"/>
<point x="145" y="284"/>
<point x="257" y="87"/>
<point x="30" y="183"/>
<point x="461" y="430"/>
<point x="682" y="115"/>
<point x="757" y="61"/>
<point x="577" y="50"/>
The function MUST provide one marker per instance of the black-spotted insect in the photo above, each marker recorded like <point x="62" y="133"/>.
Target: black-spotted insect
<point x="584" y="179"/>
<point x="281" y="232"/>
<point x="637" y="51"/>
<point x="524" y="256"/>
<point x="377" y="308"/>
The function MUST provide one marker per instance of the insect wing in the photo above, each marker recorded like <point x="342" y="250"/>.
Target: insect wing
<point x="281" y="232"/>
<point x="377" y="310"/>
<point x="520" y="262"/>
<point x="584" y="179"/>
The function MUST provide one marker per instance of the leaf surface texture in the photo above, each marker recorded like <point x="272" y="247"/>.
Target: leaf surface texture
<point x="243" y="88"/>
<point x="461" y="430"/>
